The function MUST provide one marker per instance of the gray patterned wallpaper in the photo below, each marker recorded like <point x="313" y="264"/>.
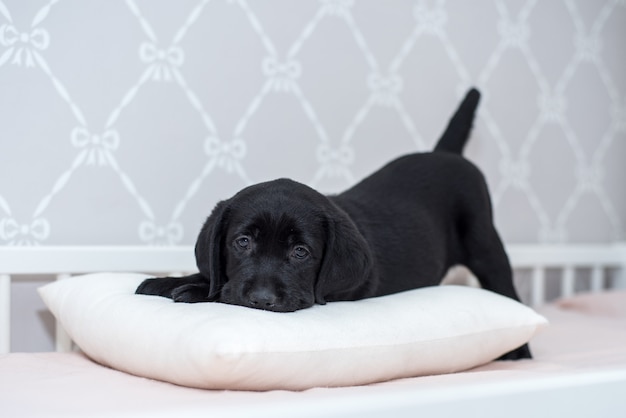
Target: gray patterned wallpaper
<point x="123" y="122"/>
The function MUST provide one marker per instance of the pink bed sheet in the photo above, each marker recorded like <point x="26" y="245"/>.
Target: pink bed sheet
<point x="586" y="333"/>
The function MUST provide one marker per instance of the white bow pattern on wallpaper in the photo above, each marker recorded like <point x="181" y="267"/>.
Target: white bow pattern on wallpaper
<point x="24" y="45"/>
<point x="281" y="71"/>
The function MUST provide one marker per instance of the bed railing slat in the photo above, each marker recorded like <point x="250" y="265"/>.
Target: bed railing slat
<point x="538" y="296"/>
<point x="63" y="342"/>
<point x="597" y="278"/>
<point x="618" y="281"/>
<point x="568" y="281"/>
<point x="5" y="313"/>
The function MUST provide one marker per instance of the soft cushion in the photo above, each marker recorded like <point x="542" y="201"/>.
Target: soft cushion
<point x="217" y="346"/>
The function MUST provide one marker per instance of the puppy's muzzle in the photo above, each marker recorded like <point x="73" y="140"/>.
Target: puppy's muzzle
<point x="262" y="297"/>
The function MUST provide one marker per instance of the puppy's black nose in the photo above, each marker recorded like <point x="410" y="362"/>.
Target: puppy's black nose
<point x="262" y="298"/>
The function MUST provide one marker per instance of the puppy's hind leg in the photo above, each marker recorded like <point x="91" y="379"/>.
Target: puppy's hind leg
<point x="487" y="259"/>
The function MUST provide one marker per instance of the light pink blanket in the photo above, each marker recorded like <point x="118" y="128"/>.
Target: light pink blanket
<point x="587" y="333"/>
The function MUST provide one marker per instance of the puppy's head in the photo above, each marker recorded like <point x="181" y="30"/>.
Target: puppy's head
<point x="282" y="246"/>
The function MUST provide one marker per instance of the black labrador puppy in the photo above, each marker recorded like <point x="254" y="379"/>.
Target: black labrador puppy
<point x="282" y="246"/>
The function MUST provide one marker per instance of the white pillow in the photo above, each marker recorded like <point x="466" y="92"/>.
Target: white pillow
<point x="217" y="346"/>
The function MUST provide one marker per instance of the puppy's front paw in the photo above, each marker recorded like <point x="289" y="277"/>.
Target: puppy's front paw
<point x="191" y="293"/>
<point x="159" y="286"/>
<point x="149" y="287"/>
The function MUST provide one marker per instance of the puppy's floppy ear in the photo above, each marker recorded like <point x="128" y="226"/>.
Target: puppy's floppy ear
<point x="209" y="249"/>
<point x="346" y="272"/>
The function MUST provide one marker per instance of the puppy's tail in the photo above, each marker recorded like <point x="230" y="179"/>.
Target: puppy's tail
<point x="459" y="127"/>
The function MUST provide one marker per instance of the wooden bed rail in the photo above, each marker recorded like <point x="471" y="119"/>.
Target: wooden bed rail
<point x="63" y="261"/>
<point x="60" y="262"/>
<point x="89" y="259"/>
<point x="558" y="255"/>
<point x="567" y="258"/>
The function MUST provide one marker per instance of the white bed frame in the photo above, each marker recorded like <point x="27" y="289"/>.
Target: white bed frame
<point x="606" y="264"/>
<point x="602" y="266"/>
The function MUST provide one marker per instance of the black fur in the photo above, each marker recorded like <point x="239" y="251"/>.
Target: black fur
<point x="283" y="246"/>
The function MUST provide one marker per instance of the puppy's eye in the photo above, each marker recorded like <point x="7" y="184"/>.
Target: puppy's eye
<point x="243" y="242"/>
<point x="300" y="253"/>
